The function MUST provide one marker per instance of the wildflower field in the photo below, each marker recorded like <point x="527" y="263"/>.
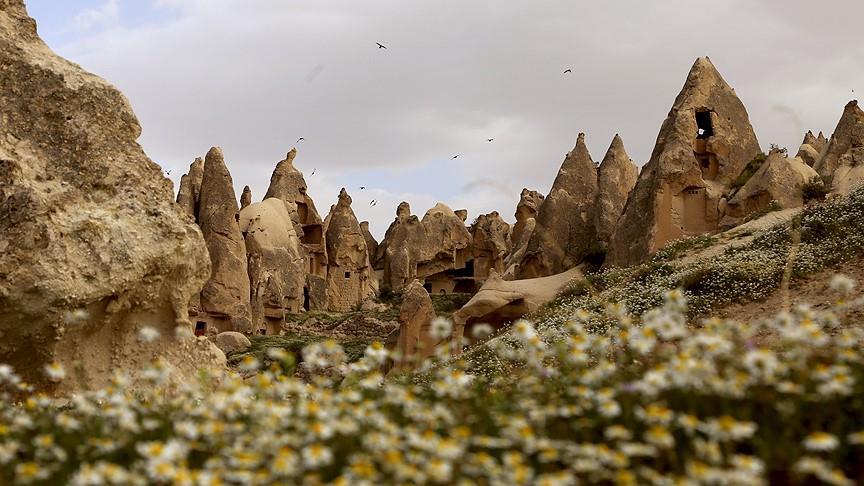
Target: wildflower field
<point x="585" y="392"/>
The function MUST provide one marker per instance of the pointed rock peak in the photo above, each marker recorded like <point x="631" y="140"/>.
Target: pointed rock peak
<point x="403" y="210"/>
<point x="214" y="156"/>
<point x="463" y="214"/>
<point x="809" y="138"/>
<point x="616" y="153"/>
<point x="344" y="198"/>
<point x="821" y="137"/>
<point x="289" y="157"/>
<point x="701" y="67"/>
<point x="364" y="225"/>
<point x="246" y="197"/>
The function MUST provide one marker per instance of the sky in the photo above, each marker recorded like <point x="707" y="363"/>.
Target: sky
<point x="253" y="76"/>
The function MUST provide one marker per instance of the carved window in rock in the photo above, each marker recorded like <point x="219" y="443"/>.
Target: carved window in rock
<point x="707" y="160"/>
<point x="200" y="328"/>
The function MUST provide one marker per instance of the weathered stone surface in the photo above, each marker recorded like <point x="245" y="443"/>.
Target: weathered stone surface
<point x="225" y="297"/>
<point x="526" y="214"/>
<point x="779" y="179"/>
<point x="703" y="145"/>
<point x="231" y="342"/>
<point x="401" y="248"/>
<point x="616" y="177"/>
<point x="565" y="229"/>
<point x="349" y="274"/>
<point x="447" y="242"/>
<point x="92" y="246"/>
<point x="414" y="343"/>
<point x="491" y="245"/>
<point x="843" y="157"/>
<point x="808" y="154"/>
<point x="246" y="197"/>
<point x="189" y="194"/>
<point x="276" y="263"/>
<point x="371" y="242"/>
<point x="500" y="302"/>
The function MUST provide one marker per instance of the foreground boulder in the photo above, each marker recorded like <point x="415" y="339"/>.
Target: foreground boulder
<point x="97" y="263"/>
<point x="415" y="343"/>
<point x="703" y="145"/>
<point x="231" y="342"/>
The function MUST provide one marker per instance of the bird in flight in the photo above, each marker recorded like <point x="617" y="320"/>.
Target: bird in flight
<point x="568" y="70"/>
<point x="373" y="203"/>
<point x="168" y="172"/>
<point x="381" y="46"/>
<point x="489" y="139"/>
<point x="313" y="172"/>
<point x="300" y="140"/>
<point x="362" y="188"/>
<point x="455" y="156"/>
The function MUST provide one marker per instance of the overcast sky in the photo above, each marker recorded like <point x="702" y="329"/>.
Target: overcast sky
<point x="252" y="76"/>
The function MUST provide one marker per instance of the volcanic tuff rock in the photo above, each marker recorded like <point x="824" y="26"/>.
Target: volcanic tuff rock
<point x="349" y="274"/>
<point x="526" y="214"/>
<point x="371" y="243"/>
<point x="565" y="228"/>
<point x="703" y="145"/>
<point x="616" y="177"/>
<point x="246" y="197"/>
<point x="447" y="244"/>
<point x="276" y="262"/>
<point x="491" y="245"/>
<point x="808" y="154"/>
<point x="415" y="318"/>
<point x="779" y="179"/>
<point x="843" y="159"/>
<point x="400" y="250"/>
<point x="225" y="297"/>
<point x="231" y="342"/>
<point x="92" y="246"/>
<point x="189" y="195"/>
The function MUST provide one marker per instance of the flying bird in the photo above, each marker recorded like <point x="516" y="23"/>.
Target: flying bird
<point x="455" y="156"/>
<point x="373" y="203"/>
<point x="381" y="46"/>
<point x="313" y="172"/>
<point x="362" y="188"/>
<point x="489" y="139"/>
<point x="168" y="172"/>
<point x="568" y="70"/>
<point x="300" y="140"/>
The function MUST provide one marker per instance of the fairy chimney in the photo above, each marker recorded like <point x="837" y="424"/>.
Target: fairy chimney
<point x="703" y="145"/>
<point x="490" y="235"/>
<point x="399" y="251"/>
<point x="349" y="275"/>
<point x="371" y="242"/>
<point x="616" y="177"/>
<point x="842" y="162"/>
<point x="189" y="194"/>
<point x="246" y="197"/>
<point x="565" y="226"/>
<point x="526" y="214"/>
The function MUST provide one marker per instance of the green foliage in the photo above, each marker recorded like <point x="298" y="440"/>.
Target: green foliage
<point x="815" y="190"/>
<point x="748" y="171"/>
<point x="446" y="304"/>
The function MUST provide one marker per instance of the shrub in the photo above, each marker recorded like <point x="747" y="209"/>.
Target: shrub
<point x="815" y="190"/>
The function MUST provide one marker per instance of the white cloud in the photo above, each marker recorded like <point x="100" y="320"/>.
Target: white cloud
<point x="92" y="18"/>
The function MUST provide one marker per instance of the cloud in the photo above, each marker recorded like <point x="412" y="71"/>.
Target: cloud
<point x="255" y="75"/>
<point x="106" y="15"/>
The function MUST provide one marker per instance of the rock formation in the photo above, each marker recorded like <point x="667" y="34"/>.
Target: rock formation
<point x="703" y="145"/>
<point x="246" y="197"/>
<point x="526" y="214"/>
<point x="92" y="246"/>
<point x="565" y="228"/>
<point x="616" y="177"/>
<point x="843" y="157"/>
<point x="415" y="317"/>
<point x="225" y="297"/>
<point x="189" y="194"/>
<point x="371" y="242"/>
<point x="400" y="250"/>
<point x="780" y="179"/>
<point x="276" y="262"/>
<point x="231" y="342"/>
<point x="445" y="250"/>
<point x="349" y="275"/>
<point x="287" y="183"/>
<point x="500" y="302"/>
<point x="491" y="245"/>
<point x="808" y="154"/>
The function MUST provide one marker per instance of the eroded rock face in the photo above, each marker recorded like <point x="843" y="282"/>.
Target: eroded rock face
<point x="526" y="214"/>
<point x="565" y="225"/>
<point x="415" y="317"/>
<point x="446" y="246"/>
<point x="92" y="246"/>
<point x="371" y="242"/>
<point x="225" y="296"/>
<point x="704" y="144"/>
<point x="231" y="342"/>
<point x="616" y="177"/>
<point x="843" y="159"/>
<point x="401" y="248"/>
<point x="349" y="274"/>
<point x="808" y="154"/>
<point x="246" y="197"/>
<point x="276" y="263"/>
<point x="189" y="194"/>
<point x="491" y="245"/>
<point x="779" y="179"/>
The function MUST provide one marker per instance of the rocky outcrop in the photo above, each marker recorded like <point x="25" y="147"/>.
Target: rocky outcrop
<point x="400" y="250"/>
<point x="246" y="197"/>
<point x="447" y="242"/>
<point x="843" y="159"/>
<point x="491" y="245"/>
<point x="808" y="154"/>
<point x="349" y="274"/>
<point x="415" y="342"/>
<point x="189" y="194"/>
<point x="500" y="302"/>
<point x="231" y="342"/>
<point x="93" y="248"/>
<point x="526" y="214"/>
<point x="371" y="242"/>
<point x="780" y="179"/>
<point x="565" y="227"/>
<point x="225" y="296"/>
<point x="616" y="177"/>
<point x="703" y="145"/>
<point x="276" y="264"/>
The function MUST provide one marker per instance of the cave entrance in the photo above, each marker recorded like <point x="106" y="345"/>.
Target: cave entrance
<point x="200" y="328"/>
<point x="704" y="127"/>
<point x="306" y="298"/>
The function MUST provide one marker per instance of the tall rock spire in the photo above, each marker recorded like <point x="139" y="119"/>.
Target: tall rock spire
<point x="843" y="159"/>
<point x="348" y="270"/>
<point x="565" y="227"/>
<point x="616" y="177"/>
<point x="703" y="145"/>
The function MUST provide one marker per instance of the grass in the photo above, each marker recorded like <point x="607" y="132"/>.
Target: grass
<point x="294" y="343"/>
